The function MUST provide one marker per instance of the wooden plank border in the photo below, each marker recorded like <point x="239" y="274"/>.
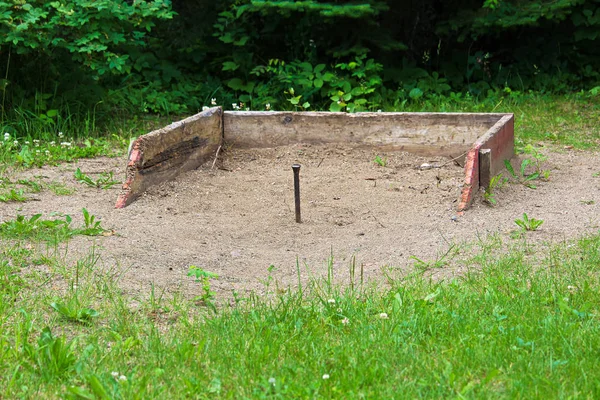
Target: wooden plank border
<point x="500" y="140"/>
<point x="161" y="155"/>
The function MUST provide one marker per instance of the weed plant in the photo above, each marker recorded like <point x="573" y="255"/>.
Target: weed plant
<point x="49" y="230"/>
<point x="104" y="181"/>
<point x="528" y="224"/>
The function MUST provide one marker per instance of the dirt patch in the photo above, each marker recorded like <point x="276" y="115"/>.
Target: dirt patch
<point x="238" y="219"/>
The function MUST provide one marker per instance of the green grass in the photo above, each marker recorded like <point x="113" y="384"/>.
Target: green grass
<point x="36" y="138"/>
<point x="523" y="323"/>
<point x="514" y="326"/>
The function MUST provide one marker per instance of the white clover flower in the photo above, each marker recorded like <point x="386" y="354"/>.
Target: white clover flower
<point x="60" y="134"/>
<point x="268" y="106"/>
<point x="115" y="374"/>
<point x="6" y="136"/>
<point x="383" y="315"/>
<point x="53" y="143"/>
<point x="65" y="144"/>
<point x="16" y="142"/>
<point x="27" y="142"/>
<point x="272" y="381"/>
<point x="325" y="376"/>
<point x="213" y="101"/>
<point x="331" y="301"/>
<point x="345" y="321"/>
<point x="122" y="378"/>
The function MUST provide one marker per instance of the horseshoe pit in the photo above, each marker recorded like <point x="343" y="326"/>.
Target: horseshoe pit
<point x="233" y="212"/>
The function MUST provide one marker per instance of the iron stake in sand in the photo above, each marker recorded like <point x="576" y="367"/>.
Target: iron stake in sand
<point x="296" y="169"/>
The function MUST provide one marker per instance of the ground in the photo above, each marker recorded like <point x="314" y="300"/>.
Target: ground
<point x="237" y="219"/>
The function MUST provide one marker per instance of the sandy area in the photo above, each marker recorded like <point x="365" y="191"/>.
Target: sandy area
<point x="238" y="219"/>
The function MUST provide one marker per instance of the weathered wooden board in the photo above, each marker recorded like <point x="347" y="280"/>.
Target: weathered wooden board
<point x="422" y="133"/>
<point x="161" y="155"/>
<point x="500" y="140"/>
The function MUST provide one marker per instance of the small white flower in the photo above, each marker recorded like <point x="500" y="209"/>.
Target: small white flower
<point x="47" y="152"/>
<point x="247" y="108"/>
<point x="6" y="136"/>
<point x="16" y="142"/>
<point x="65" y="144"/>
<point x="52" y="143"/>
<point x="37" y="152"/>
<point x="122" y="378"/>
<point x="60" y="134"/>
<point x="272" y="381"/>
<point x="378" y="110"/>
<point x="572" y="288"/>
<point x="204" y="108"/>
<point x="339" y="310"/>
<point x="383" y="315"/>
<point x="325" y="376"/>
<point x="345" y="321"/>
<point x="115" y="374"/>
<point x="331" y="301"/>
<point x="268" y="106"/>
<point x="213" y="101"/>
<point x="27" y="142"/>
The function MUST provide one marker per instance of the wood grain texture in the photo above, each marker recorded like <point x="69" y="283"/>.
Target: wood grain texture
<point x="161" y="155"/>
<point x="422" y="133"/>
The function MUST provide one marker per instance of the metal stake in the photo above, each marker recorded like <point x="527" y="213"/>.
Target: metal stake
<point x="296" y="169"/>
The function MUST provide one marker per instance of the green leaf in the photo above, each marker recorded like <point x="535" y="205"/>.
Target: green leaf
<point x="335" y="107"/>
<point x="510" y="168"/>
<point x="230" y="66"/>
<point x="319" y="68"/>
<point x="415" y="94"/>
<point x="318" y="83"/>
<point x="241" y="41"/>
<point x="81" y="393"/>
<point x="236" y="84"/>
<point x="97" y="387"/>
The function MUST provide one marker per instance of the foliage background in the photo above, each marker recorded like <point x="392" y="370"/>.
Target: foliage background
<point x="164" y="57"/>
